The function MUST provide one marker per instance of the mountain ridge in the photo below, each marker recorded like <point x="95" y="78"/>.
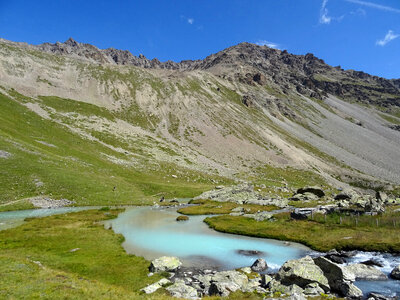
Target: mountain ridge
<point x="244" y="107"/>
<point x="306" y="74"/>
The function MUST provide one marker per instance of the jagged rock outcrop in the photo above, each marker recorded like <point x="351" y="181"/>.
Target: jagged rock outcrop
<point x="305" y="74"/>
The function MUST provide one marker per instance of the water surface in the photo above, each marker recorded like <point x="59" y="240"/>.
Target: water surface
<point x="151" y="233"/>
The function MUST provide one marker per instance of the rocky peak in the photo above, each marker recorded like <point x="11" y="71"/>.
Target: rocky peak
<point x="71" y="42"/>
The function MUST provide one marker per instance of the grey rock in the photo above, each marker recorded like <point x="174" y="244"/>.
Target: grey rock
<point x="222" y="288"/>
<point x="46" y="202"/>
<point x="165" y="264"/>
<point x="312" y="190"/>
<point x="180" y="290"/>
<point x="155" y="286"/>
<point x="340" y="280"/>
<point x="238" y="209"/>
<point x="376" y="296"/>
<point x="295" y="292"/>
<point x="365" y="272"/>
<point x="259" y="265"/>
<point x="382" y="196"/>
<point x="304" y="197"/>
<point x="265" y="280"/>
<point x="302" y="272"/>
<point x="221" y="283"/>
<point x="250" y="252"/>
<point x="313" y="289"/>
<point x="347" y="194"/>
<point x="246" y="270"/>
<point x="373" y="262"/>
<point x="263" y="216"/>
<point x="241" y="194"/>
<point x="395" y="274"/>
<point x="5" y="154"/>
<point x="302" y="213"/>
<point x="351" y="291"/>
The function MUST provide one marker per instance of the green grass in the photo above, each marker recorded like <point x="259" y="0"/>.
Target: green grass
<point x="208" y="207"/>
<point x="390" y="119"/>
<point x="36" y="261"/>
<point x="76" y="168"/>
<point x="320" y="234"/>
<point x="71" y="106"/>
<point x="100" y="269"/>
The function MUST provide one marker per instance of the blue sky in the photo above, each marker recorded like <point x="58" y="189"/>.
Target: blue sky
<point x="356" y="34"/>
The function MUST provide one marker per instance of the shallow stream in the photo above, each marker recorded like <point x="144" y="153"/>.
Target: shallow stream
<point x="153" y="232"/>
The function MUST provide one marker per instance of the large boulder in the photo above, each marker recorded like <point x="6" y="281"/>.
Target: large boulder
<point x="222" y="283"/>
<point x="347" y="194"/>
<point x="165" y="263"/>
<point x="304" y="197"/>
<point x="263" y="216"/>
<point x="317" y="191"/>
<point x="180" y="290"/>
<point x="302" y="272"/>
<point x="155" y="286"/>
<point x="365" y="272"/>
<point x="259" y="265"/>
<point x="382" y="196"/>
<point x="340" y="280"/>
<point x="395" y="274"/>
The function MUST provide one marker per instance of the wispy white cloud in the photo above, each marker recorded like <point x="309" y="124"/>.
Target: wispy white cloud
<point x="269" y="44"/>
<point x="190" y="21"/>
<point x="390" y="36"/>
<point x="376" y="6"/>
<point x="324" y="17"/>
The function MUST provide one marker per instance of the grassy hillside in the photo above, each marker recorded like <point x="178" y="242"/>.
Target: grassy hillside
<point x="48" y="159"/>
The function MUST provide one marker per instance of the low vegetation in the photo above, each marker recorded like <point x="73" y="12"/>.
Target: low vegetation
<point x="72" y="256"/>
<point x="69" y="256"/>
<point x="368" y="233"/>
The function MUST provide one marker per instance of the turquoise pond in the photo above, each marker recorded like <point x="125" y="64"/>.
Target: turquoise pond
<point x="152" y="232"/>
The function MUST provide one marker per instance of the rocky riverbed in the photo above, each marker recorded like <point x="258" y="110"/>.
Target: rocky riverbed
<point x="296" y="279"/>
<point x="347" y="201"/>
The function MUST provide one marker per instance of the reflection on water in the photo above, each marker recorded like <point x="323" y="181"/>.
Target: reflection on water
<point x="154" y="232"/>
